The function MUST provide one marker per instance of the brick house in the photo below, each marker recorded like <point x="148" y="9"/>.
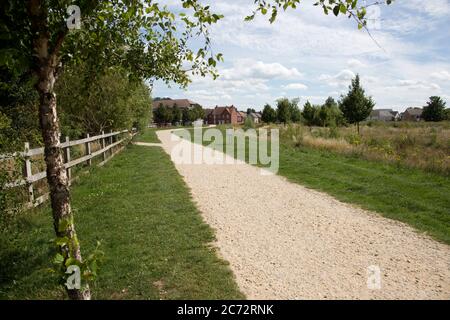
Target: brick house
<point x="223" y="115"/>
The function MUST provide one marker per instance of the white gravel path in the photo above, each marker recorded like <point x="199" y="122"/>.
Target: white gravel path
<point x="284" y="241"/>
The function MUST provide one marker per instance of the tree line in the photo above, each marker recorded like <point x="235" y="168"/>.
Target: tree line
<point x="175" y="115"/>
<point x="89" y="101"/>
<point x="352" y="108"/>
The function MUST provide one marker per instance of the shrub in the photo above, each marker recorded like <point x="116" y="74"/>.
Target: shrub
<point x="248" y="123"/>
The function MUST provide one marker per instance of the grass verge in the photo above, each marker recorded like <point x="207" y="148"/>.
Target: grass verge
<point x="147" y="135"/>
<point x="155" y="243"/>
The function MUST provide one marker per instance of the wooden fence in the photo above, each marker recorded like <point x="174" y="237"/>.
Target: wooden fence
<point x="108" y="141"/>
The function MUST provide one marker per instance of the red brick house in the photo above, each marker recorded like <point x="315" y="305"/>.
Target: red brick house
<point x="223" y="115"/>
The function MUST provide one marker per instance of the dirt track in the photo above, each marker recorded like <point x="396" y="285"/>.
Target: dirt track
<point x="284" y="241"/>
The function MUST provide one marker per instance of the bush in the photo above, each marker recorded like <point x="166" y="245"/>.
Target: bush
<point x="248" y="123"/>
<point x="93" y="102"/>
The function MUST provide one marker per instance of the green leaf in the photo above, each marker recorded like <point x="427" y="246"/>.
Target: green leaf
<point x="336" y="10"/>
<point x="58" y="259"/>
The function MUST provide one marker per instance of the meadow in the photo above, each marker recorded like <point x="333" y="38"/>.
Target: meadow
<point x="412" y="145"/>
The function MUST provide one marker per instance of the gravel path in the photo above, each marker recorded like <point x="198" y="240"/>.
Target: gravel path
<point x="284" y="241"/>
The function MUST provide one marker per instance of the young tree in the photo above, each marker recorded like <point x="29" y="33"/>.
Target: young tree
<point x="323" y="115"/>
<point x="308" y="114"/>
<point x="110" y="100"/>
<point x="294" y="110"/>
<point x="166" y="115"/>
<point x="447" y="114"/>
<point x="435" y="110"/>
<point x="177" y="114"/>
<point x="330" y="103"/>
<point x="140" y="106"/>
<point x="283" y="110"/>
<point x="248" y="123"/>
<point x="269" y="115"/>
<point x="250" y="110"/>
<point x="334" y="116"/>
<point x="198" y="113"/>
<point x="355" y="106"/>
<point x="186" y="116"/>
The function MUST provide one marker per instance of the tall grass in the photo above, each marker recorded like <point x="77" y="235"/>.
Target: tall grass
<point x="420" y="146"/>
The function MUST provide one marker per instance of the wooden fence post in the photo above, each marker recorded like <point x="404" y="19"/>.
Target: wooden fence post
<point x="28" y="174"/>
<point x="103" y="146"/>
<point x="110" y="142"/>
<point x="67" y="156"/>
<point x="88" y="150"/>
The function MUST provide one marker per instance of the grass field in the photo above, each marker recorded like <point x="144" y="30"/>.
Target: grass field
<point x="155" y="243"/>
<point x="147" y="135"/>
<point x="414" y="196"/>
<point x="419" y="145"/>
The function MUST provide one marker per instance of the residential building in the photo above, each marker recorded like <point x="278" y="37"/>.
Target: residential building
<point x="412" y="114"/>
<point x="224" y="115"/>
<point x="170" y="103"/>
<point x="243" y="115"/>
<point x="255" y="116"/>
<point x="384" y="115"/>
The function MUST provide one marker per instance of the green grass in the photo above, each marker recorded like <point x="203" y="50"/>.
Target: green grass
<point x="155" y="243"/>
<point x="147" y="135"/>
<point x="413" y="196"/>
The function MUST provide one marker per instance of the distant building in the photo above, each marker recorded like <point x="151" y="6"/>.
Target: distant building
<point x="223" y="115"/>
<point x="412" y="114"/>
<point x="255" y="116"/>
<point x="384" y="115"/>
<point x="170" y="103"/>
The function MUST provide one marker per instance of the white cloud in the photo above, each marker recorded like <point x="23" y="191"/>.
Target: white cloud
<point x="312" y="99"/>
<point x="342" y="78"/>
<point x="434" y="8"/>
<point x="355" y="64"/>
<point x="441" y="75"/>
<point x="247" y="68"/>
<point x="295" y="86"/>
<point x="417" y="84"/>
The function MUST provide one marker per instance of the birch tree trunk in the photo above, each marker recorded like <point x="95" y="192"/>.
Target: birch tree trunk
<point x="46" y="66"/>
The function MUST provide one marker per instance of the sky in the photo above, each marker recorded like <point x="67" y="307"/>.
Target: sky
<point x="309" y="55"/>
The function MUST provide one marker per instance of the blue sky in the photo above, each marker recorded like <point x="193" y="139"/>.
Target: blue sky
<point x="309" y="55"/>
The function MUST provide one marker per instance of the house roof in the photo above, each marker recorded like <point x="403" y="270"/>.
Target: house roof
<point x="220" y="110"/>
<point x="255" y="115"/>
<point x="181" y="103"/>
<point x="382" y="113"/>
<point x="414" y="111"/>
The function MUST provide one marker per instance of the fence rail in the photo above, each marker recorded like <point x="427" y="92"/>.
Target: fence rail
<point x="107" y="142"/>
